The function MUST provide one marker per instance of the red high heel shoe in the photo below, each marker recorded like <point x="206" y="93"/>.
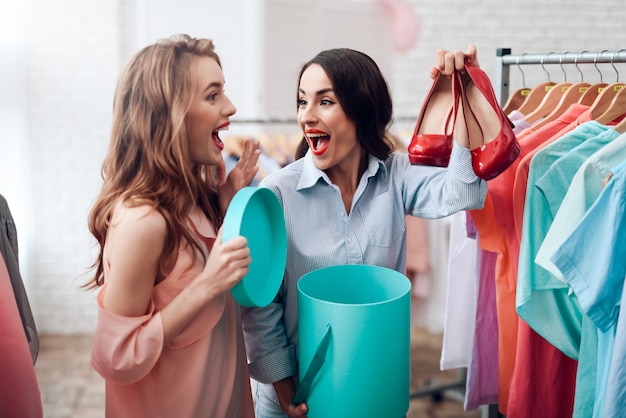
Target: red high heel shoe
<point x="431" y="143"/>
<point x="484" y="118"/>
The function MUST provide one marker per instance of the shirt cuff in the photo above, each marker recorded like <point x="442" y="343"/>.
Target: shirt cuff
<point x="276" y="366"/>
<point x="461" y="164"/>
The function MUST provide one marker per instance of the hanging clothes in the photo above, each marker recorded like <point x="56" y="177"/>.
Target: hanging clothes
<point x="482" y="372"/>
<point x="543" y="302"/>
<point x="461" y="299"/>
<point x="553" y="389"/>
<point x="582" y="192"/>
<point x="469" y="332"/>
<point x="9" y="249"/>
<point x="546" y="304"/>
<point x="598" y="282"/>
<point x="552" y="357"/>
<point x="19" y="390"/>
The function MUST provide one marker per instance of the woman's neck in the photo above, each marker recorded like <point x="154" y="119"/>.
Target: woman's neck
<point x="346" y="176"/>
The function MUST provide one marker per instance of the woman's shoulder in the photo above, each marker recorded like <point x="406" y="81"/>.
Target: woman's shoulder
<point x="398" y="157"/>
<point x="397" y="161"/>
<point x="136" y="234"/>
<point x="143" y="219"/>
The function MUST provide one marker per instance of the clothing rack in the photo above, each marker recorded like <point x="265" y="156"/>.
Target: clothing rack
<point x="504" y="60"/>
<point x="501" y="83"/>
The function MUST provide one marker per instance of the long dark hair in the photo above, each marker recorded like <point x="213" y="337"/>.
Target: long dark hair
<point x="363" y="94"/>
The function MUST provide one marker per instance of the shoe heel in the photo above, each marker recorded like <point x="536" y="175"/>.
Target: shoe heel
<point x="497" y="147"/>
<point x="431" y="143"/>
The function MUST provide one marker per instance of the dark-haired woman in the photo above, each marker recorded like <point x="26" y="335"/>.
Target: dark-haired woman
<point x="346" y="200"/>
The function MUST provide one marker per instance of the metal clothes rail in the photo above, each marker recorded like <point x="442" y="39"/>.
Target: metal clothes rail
<point x="504" y="60"/>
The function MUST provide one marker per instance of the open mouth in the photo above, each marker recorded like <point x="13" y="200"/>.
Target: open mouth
<point x="216" y="136"/>
<point x="319" y="142"/>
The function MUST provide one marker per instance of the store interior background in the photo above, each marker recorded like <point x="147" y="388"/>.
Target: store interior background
<point x="60" y="60"/>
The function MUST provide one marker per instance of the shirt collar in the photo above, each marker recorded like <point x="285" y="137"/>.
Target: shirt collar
<point x="311" y="174"/>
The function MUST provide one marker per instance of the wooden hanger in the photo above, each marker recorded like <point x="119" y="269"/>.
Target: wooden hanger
<point x="607" y="100"/>
<point x="572" y="95"/>
<point x="535" y="96"/>
<point x="554" y="98"/>
<point x="621" y="126"/>
<point x="604" y="99"/>
<point x="268" y="147"/>
<point x="549" y="102"/>
<point x="588" y="97"/>
<point x="616" y="108"/>
<point x="233" y="145"/>
<point x="518" y="97"/>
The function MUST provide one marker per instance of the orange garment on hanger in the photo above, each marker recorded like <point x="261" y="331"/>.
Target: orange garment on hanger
<point x="544" y="379"/>
<point x="582" y="114"/>
<point x="552" y="373"/>
<point x="500" y="208"/>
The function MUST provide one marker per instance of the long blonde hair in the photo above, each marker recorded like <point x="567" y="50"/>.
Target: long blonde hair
<point x="148" y="157"/>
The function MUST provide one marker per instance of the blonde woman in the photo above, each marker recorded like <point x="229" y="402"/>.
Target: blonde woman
<point x="168" y="340"/>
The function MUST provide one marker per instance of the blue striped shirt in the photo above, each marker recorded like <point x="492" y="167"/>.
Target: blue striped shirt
<point x="321" y="234"/>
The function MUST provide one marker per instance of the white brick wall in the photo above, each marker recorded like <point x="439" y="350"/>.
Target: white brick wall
<point x="71" y="52"/>
<point x="526" y="26"/>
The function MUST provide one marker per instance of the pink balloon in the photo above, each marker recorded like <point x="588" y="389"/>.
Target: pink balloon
<point x="404" y="22"/>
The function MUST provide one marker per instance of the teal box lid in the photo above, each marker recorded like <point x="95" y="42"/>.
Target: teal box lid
<point x="256" y="214"/>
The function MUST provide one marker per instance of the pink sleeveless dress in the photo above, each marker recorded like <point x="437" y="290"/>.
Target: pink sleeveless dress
<point x="202" y="373"/>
